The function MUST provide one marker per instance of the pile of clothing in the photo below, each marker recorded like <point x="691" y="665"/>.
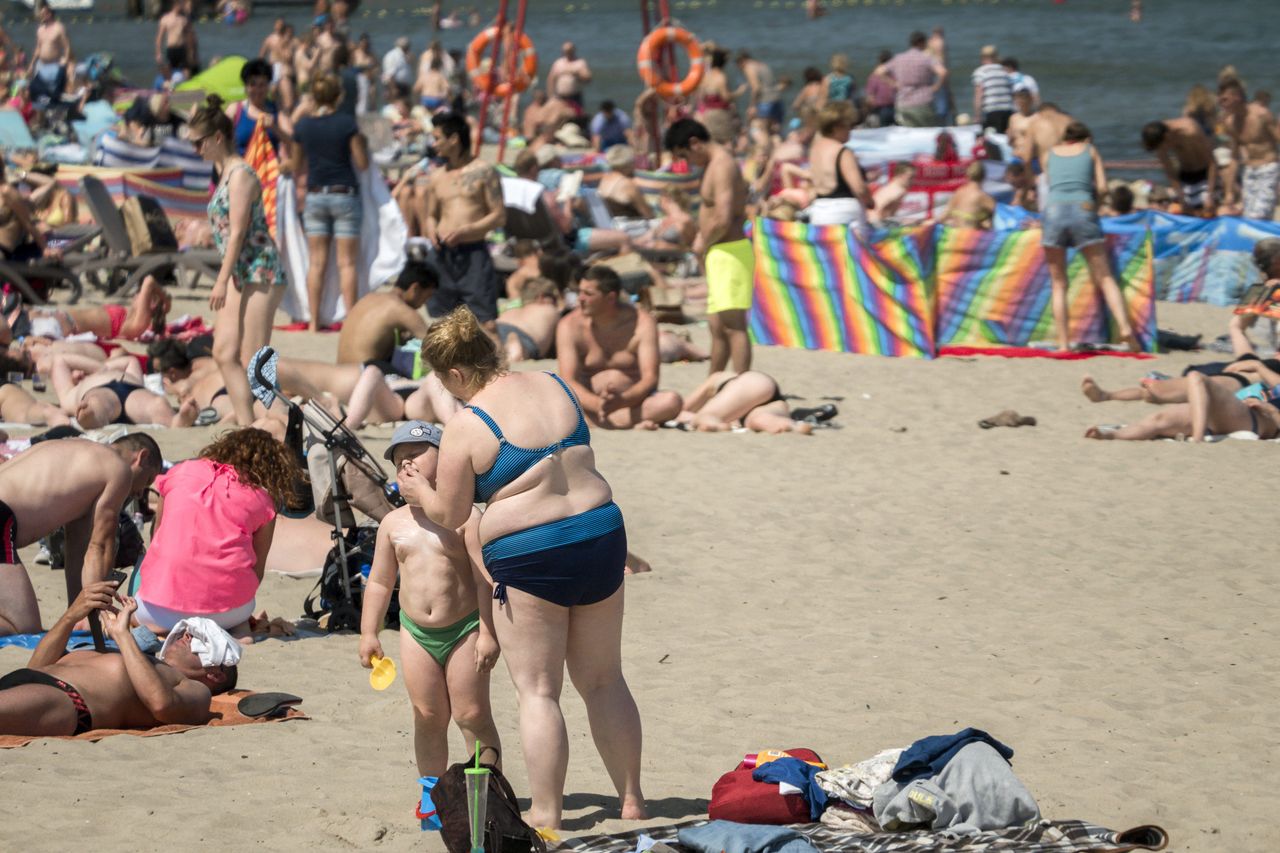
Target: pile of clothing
<point x="960" y="782"/>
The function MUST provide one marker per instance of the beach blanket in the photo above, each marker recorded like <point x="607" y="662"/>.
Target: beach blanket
<point x="1046" y="836"/>
<point x="14" y="134"/>
<point x="383" y="235"/>
<point x="171" y="153"/>
<point x="223" y="706"/>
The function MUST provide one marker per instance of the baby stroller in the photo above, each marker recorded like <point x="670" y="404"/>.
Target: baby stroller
<point x="341" y="476"/>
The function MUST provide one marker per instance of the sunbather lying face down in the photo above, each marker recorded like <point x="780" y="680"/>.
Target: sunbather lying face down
<point x="751" y="399"/>
<point x="68" y="693"/>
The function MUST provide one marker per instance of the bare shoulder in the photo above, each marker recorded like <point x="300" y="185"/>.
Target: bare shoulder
<point x="571" y="322"/>
<point x="644" y="321"/>
<point x="395" y="518"/>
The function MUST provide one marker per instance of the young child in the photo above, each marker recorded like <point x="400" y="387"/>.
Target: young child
<point x="447" y="644"/>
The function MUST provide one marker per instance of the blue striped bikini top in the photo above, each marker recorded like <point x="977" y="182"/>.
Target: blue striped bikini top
<point x="513" y="461"/>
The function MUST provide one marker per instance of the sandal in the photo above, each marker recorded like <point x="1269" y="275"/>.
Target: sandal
<point x="267" y="704"/>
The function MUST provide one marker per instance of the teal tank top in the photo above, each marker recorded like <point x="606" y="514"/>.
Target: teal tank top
<point x="1071" y="177"/>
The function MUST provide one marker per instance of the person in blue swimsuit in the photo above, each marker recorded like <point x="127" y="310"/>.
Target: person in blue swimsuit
<point x="554" y="548"/>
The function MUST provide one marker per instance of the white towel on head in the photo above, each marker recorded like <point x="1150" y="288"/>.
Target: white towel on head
<point x="214" y="646"/>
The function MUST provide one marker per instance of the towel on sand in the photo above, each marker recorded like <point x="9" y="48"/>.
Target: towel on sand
<point x="223" y="706"/>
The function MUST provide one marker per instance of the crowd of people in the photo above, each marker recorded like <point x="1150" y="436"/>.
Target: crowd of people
<point x="538" y="575"/>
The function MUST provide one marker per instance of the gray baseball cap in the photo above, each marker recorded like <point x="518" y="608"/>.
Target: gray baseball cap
<point x="414" y="432"/>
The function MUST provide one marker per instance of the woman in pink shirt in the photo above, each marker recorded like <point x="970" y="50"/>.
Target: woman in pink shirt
<point x="214" y="523"/>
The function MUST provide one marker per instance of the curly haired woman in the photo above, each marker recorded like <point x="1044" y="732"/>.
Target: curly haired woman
<point x="214" y="522"/>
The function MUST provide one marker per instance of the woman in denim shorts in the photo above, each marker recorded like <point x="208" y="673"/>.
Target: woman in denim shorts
<point x="1076" y="176"/>
<point x="329" y="146"/>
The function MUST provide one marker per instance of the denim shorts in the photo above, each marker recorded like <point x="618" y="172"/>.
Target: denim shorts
<point x="1069" y="224"/>
<point x="332" y="215"/>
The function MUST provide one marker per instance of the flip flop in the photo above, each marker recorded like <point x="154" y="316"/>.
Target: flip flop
<point x="815" y="415"/>
<point x="267" y="704"/>
<point x="262" y="376"/>
<point x="208" y="415"/>
<point x="1007" y="418"/>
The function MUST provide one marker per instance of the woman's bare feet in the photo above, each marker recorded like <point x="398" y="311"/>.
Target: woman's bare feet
<point x="1092" y="391"/>
<point x="637" y="565"/>
<point x="1099" y="433"/>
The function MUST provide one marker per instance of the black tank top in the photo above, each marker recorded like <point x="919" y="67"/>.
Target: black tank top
<point x="842" y="190"/>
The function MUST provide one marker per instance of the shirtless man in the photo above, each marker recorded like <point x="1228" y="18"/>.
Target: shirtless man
<point x="431" y="89"/>
<point x="607" y="350"/>
<point x="1020" y="121"/>
<point x="1044" y="131"/>
<point x="176" y="39"/>
<point x="279" y="48"/>
<point x="383" y="320"/>
<point x="73" y="483"/>
<point x="1251" y="129"/>
<point x="766" y="93"/>
<point x="433" y="54"/>
<point x="943" y="103"/>
<point x="568" y="75"/>
<point x="1186" y="154"/>
<point x="464" y="205"/>
<point x="62" y="693"/>
<point x="721" y="244"/>
<point x="528" y="332"/>
<point x="51" y="58"/>
<point x="888" y="199"/>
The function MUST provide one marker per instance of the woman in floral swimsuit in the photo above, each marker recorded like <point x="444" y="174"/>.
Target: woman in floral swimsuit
<point x="252" y="280"/>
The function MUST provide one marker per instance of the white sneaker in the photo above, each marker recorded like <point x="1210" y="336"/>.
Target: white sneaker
<point x="42" y="556"/>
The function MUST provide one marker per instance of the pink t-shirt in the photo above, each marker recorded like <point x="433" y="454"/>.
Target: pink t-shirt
<point x="201" y="559"/>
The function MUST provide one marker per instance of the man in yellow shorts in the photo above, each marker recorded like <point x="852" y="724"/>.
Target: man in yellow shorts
<point x="726" y="253"/>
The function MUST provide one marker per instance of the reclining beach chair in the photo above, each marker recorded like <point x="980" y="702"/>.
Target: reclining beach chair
<point x="71" y="269"/>
<point x="127" y="270"/>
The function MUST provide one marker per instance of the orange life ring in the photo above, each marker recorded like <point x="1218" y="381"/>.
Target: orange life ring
<point x="527" y="67"/>
<point x="653" y="46"/>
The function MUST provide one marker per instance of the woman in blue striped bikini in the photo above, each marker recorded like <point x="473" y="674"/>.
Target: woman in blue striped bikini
<point x="554" y="547"/>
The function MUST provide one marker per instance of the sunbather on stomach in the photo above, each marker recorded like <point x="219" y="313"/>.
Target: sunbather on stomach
<point x="62" y="693"/>
<point x="751" y="399"/>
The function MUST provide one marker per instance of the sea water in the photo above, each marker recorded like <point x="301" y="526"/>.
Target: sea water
<point x="1087" y="56"/>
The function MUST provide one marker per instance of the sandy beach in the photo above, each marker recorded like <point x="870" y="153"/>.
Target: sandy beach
<point x="1098" y="606"/>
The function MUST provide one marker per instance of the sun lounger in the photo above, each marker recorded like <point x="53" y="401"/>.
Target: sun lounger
<point x="71" y="269"/>
<point x="129" y="269"/>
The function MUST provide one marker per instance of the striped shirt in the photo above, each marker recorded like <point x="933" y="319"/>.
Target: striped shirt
<point x="997" y="88"/>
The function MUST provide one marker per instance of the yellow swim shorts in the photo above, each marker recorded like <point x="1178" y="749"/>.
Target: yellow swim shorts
<point x="730" y="271"/>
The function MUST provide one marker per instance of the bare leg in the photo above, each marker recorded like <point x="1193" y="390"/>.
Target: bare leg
<point x="348" y="257"/>
<point x="534" y="635"/>
<point x="227" y="336"/>
<point x="17" y="406"/>
<point x="775" y="419"/>
<point x="371" y="386"/>
<point x="673" y="347"/>
<point x="1094" y="391"/>
<point x="431" y="402"/>
<point x="637" y="565"/>
<point x="1099" y="263"/>
<point x="425" y="682"/>
<point x="19" y="610"/>
<point x="469" y="696"/>
<point x="719" y="342"/>
<point x="1057" y="261"/>
<point x="1215" y="408"/>
<point x="735" y="325"/>
<point x="595" y="666"/>
<point x="318" y="253"/>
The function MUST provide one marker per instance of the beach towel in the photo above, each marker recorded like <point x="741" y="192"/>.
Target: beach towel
<point x="383" y="235"/>
<point x="261" y="157"/>
<point x="223" y="706"/>
<point x="1045" y="836"/>
<point x="173" y="153"/>
<point x="14" y="134"/>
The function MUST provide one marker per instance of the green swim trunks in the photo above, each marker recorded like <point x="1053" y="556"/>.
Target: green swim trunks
<point x="439" y="642"/>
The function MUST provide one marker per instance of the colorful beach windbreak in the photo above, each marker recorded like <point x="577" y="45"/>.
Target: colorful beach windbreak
<point x="816" y="287"/>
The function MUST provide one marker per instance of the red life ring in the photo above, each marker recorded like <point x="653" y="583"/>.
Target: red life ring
<point x="653" y="46"/>
<point x="526" y="64"/>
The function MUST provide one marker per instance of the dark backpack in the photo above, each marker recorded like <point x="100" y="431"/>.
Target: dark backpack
<point x="504" y="830"/>
<point x="328" y="596"/>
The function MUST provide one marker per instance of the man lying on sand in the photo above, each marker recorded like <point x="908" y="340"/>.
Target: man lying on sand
<point x="72" y="483"/>
<point x="607" y="351"/>
<point x="63" y="693"/>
